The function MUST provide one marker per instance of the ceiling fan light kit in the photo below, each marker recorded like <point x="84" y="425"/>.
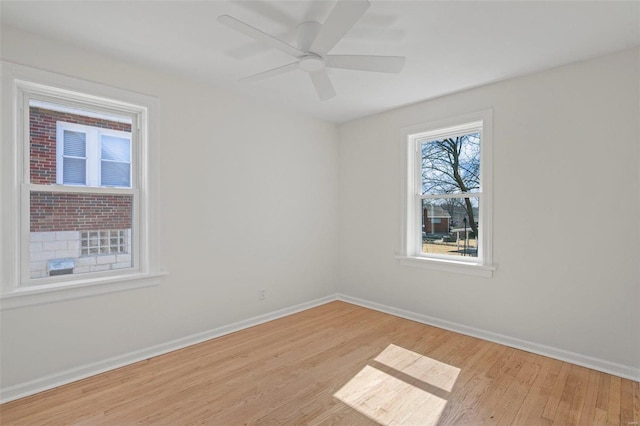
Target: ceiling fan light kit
<point x="314" y="42"/>
<point x="311" y="62"/>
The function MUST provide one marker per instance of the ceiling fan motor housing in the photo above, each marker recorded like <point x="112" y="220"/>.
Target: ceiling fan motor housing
<point x="311" y="62"/>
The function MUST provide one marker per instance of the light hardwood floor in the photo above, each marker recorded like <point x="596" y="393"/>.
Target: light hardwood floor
<point x="339" y="364"/>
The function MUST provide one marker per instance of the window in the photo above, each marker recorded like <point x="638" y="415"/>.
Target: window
<point x="447" y="218"/>
<point x="86" y="154"/>
<point x="92" y="156"/>
<point x="84" y="221"/>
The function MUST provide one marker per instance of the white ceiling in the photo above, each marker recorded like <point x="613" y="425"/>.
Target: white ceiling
<point x="449" y="45"/>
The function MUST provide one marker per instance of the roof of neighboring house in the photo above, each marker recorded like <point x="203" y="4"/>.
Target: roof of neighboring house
<point x="437" y="211"/>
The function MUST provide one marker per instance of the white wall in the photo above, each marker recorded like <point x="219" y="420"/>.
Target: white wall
<point x="566" y="212"/>
<point x="248" y="196"/>
<point x="251" y="200"/>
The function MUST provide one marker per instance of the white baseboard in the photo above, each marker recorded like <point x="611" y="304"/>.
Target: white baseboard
<point x="605" y="366"/>
<point x="74" y="374"/>
<point x="58" y="379"/>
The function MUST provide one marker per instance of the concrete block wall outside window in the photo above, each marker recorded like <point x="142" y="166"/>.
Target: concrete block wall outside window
<point x="47" y="246"/>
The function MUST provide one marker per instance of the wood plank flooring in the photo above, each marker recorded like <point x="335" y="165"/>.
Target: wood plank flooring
<point x="339" y="364"/>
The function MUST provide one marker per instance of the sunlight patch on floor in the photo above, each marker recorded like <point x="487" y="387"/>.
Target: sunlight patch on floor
<point x="400" y="387"/>
<point x="423" y="368"/>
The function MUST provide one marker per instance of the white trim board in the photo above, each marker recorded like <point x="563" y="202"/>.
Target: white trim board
<point x="624" y="371"/>
<point x="68" y="376"/>
<point x="82" y="372"/>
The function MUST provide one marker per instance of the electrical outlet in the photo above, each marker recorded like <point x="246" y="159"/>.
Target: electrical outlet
<point x="262" y="294"/>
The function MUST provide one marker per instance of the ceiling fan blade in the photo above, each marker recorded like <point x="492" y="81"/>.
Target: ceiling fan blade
<point x="343" y="16"/>
<point x="259" y="35"/>
<point x="390" y="64"/>
<point x="270" y="73"/>
<point x="323" y="85"/>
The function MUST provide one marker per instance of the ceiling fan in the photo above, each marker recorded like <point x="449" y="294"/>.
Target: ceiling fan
<point x="314" y="42"/>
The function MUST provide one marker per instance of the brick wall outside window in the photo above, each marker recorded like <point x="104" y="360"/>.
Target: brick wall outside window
<point x="54" y="211"/>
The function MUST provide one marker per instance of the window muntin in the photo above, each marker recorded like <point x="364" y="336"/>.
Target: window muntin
<point x="448" y="195"/>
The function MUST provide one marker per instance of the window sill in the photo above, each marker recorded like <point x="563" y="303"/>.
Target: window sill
<point x="51" y="293"/>
<point x="466" y="268"/>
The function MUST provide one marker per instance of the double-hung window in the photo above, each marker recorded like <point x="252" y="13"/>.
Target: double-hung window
<point x="447" y="214"/>
<point x="83" y="187"/>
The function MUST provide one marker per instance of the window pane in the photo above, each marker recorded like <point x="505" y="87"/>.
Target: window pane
<point x="115" y="174"/>
<point x="116" y="149"/>
<point x="450" y="226"/>
<point x="74" y="171"/>
<point x="451" y="165"/>
<point x="75" y="144"/>
<point x="71" y="233"/>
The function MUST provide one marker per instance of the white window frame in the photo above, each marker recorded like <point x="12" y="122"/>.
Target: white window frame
<point x="20" y="85"/>
<point x="93" y="158"/>
<point x="411" y="241"/>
